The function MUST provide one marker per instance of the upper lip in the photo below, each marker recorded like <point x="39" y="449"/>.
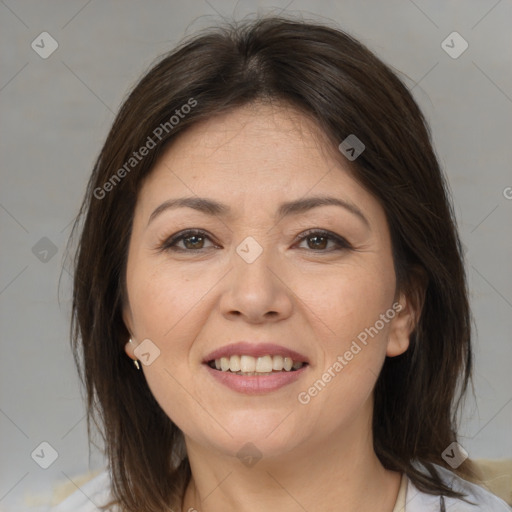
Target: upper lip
<point x="255" y="350"/>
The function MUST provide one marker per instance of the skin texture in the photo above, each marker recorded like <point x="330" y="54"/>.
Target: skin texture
<point x="298" y="293"/>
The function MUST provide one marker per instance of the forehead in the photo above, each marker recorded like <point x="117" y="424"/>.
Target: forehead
<point x="253" y="156"/>
<point x="251" y="135"/>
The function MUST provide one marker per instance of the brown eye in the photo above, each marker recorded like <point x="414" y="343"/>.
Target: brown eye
<point x="318" y="241"/>
<point x="191" y="240"/>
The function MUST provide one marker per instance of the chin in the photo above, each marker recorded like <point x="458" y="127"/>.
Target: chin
<point x="262" y="436"/>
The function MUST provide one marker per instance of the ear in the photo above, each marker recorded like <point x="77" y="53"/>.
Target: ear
<point x="128" y="322"/>
<point x="408" y="309"/>
<point x="129" y="350"/>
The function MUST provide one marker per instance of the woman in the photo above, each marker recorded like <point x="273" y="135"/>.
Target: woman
<point x="268" y="236"/>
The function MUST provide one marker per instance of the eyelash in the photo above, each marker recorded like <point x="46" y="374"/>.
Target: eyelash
<point x="169" y="244"/>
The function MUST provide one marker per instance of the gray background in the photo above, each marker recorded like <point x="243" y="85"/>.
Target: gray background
<point x="57" y="111"/>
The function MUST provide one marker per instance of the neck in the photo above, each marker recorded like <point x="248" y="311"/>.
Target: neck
<point x="327" y="475"/>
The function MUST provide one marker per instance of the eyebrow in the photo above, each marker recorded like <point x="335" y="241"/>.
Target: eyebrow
<point x="298" y="206"/>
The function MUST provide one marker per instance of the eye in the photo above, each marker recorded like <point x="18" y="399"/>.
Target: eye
<point x="193" y="240"/>
<point x="318" y="240"/>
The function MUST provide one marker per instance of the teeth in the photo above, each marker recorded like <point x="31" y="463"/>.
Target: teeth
<point x="248" y="365"/>
<point x="234" y="363"/>
<point x="277" y="363"/>
<point x="264" y="364"/>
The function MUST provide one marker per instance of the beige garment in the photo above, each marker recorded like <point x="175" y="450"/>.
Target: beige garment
<point x="400" y="499"/>
<point x="496" y="476"/>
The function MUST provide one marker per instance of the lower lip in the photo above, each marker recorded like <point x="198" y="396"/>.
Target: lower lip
<point x="255" y="384"/>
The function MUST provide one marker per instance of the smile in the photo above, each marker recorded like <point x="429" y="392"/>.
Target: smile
<point x="249" y="366"/>
<point x="255" y="368"/>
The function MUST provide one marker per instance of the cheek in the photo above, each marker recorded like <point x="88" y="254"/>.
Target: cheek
<point x="161" y="297"/>
<point x="166" y="308"/>
<point x="353" y="338"/>
<point x="350" y="300"/>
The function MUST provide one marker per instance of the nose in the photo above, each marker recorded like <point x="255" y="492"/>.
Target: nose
<point x="256" y="291"/>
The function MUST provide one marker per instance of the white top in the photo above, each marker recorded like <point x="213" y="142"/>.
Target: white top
<point x="97" y="491"/>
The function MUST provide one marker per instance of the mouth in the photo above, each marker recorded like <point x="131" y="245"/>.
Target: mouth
<point x="255" y="368"/>
<point x="247" y="365"/>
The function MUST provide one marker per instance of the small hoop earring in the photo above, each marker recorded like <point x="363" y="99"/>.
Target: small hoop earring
<point x="135" y="361"/>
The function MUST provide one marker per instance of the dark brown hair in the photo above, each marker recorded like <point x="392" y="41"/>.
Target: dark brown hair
<point x="336" y="81"/>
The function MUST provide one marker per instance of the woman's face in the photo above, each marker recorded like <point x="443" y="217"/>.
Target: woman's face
<point x="260" y="286"/>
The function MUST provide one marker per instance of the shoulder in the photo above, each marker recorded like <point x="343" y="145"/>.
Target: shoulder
<point x="483" y="500"/>
<point x="88" y="497"/>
